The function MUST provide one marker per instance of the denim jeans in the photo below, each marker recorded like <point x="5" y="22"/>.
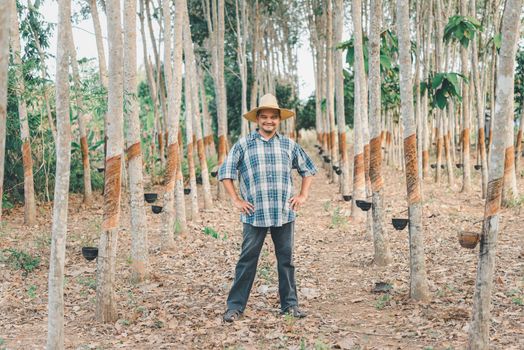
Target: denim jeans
<point x="253" y="240"/>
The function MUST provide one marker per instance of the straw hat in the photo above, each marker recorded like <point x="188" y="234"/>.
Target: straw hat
<point x="268" y="101"/>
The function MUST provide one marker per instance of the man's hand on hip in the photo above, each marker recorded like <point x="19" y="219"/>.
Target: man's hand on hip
<point x="245" y="207"/>
<point x="297" y="201"/>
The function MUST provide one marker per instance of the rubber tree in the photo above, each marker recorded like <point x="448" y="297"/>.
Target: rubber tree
<point x="106" y="263"/>
<point x="418" y="279"/>
<point x="82" y="128"/>
<point x="29" y="189"/>
<point x="173" y="77"/>
<point x="330" y="94"/>
<point x="6" y="11"/>
<point x="139" y="234"/>
<point x="481" y="320"/>
<point x="359" y="180"/>
<point x="466" y="115"/>
<point x="338" y="28"/>
<point x="197" y="120"/>
<point x="55" y="318"/>
<point x="382" y="254"/>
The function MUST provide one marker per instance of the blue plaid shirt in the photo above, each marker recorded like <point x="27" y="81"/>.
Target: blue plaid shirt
<point x="265" y="180"/>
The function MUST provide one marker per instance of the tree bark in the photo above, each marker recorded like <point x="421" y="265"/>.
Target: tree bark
<point x="480" y="111"/>
<point x="418" y="279"/>
<point x="29" y="189"/>
<point x="359" y="180"/>
<point x="339" y="97"/>
<point x="88" y="195"/>
<point x="55" y="319"/>
<point x="6" y="11"/>
<point x="102" y="68"/>
<point x="518" y="152"/>
<point x="479" y="327"/>
<point x="466" y="117"/>
<point x="106" y="264"/>
<point x="139" y="234"/>
<point x="190" y="111"/>
<point x="330" y="94"/>
<point x="382" y="255"/>
<point x="193" y="82"/>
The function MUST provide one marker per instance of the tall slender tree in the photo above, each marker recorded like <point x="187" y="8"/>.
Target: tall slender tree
<point x="29" y="188"/>
<point x="479" y="327"/>
<point x="81" y="116"/>
<point x="102" y="67"/>
<point x="139" y="241"/>
<point x="359" y="180"/>
<point x="466" y="115"/>
<point x="338" y="23"/>
<point x="107" y="247"/>
<point x="382" y="253"/>
<point x="6" y="11"/>
<point x="55" y="319"/>
<point x="418" y="279"/>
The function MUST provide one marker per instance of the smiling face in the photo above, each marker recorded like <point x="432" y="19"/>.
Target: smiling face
<point x="268" y="121"/>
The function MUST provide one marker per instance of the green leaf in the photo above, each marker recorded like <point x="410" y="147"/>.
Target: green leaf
<point x="437" y="80"/>
<point x="441" y="99"/>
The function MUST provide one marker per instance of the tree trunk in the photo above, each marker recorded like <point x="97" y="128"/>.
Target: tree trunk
<point x="193" y="82"/>
<point x="220" y="88"/>
<point x="382" y="255"/>
<point x="190" y="111"/>
<point x="480" y="111"/>
<point x="55" y="318"/>
<point x="6" y="11"/>
<point x="330" y="93"/>
<point x="241" y="21"/>
<point x="359" y="180"/>
<point x="173" y="78"/>
<point x="466" y="117"/>
<point x="29" y="189"/>
<point x="88" y="195"/>
<point x="106" y="264"/>
<point x="139" y="241"/>
<point x="518" y="147"/>
<point x="209" y="141"/>
<point x="339" y="97"/>
<point x="418" y="279"/>
<point x="479" y="327"/>
<point x="154" y="96"/>
<point x="99" y="44"/>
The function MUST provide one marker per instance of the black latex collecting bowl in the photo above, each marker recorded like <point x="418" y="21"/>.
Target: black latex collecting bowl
<point x="365" y="206"/>
<point x="478" y="167"/>
<point x="90" y="253"/>
<point x="187" y="191"/>
<point x="156" y="209"/>
<point x="214" y="173"/>
<point x="399" y="224"/>
<point x="150" y="197"/>
<point x="347" y="198"/>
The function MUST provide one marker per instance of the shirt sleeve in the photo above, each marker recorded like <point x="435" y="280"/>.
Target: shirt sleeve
<point x="302" y="162"/>
<point x="229" y="168"/>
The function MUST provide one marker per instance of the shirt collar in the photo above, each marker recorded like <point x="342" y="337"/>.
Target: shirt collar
<point x="255" y="134"/>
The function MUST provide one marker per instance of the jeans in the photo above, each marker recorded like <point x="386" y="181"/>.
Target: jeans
<point x="245" y="271"/>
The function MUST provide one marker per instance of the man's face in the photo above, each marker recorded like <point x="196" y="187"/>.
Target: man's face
<point x="268" y="120"/>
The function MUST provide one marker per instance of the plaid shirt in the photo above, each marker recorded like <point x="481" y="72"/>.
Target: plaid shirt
<point x="265" y="176"/>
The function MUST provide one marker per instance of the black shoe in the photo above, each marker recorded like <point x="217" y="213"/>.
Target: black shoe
<point x="231" y="315"/>
<point x="294" y="311"/>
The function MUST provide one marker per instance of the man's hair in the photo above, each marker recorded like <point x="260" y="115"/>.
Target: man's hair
<point x="261" y="109"/>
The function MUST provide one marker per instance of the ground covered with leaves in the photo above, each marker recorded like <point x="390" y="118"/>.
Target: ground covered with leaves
<point x="180" y="306"/>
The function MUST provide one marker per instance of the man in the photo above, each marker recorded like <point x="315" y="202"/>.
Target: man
<point x="263" y="160"/>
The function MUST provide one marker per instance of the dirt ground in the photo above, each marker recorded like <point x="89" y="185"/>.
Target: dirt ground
<point x="180" y="306"/>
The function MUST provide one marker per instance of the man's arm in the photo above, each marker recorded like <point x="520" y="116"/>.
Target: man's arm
<point x="245" y="207"/>
<point x="297" y="201"/>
